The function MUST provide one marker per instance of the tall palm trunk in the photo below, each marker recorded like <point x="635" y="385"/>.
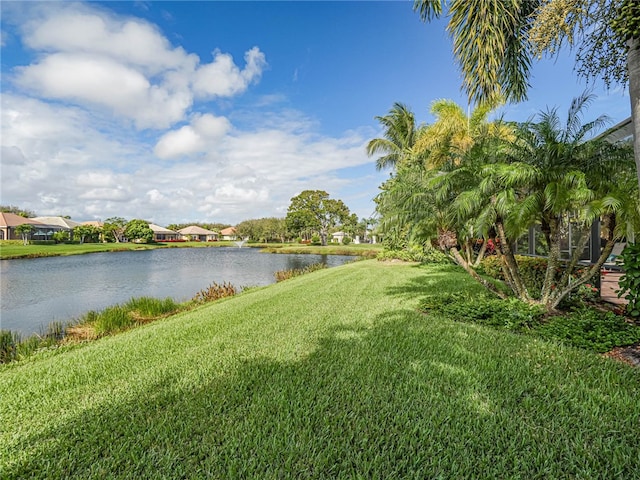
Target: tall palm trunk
<point x="633" y="64"/>
<point x="553" y="259"/>
<point x="511" y="264"/>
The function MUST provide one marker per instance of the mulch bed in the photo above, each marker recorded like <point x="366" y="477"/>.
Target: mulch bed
<point x="629" y="355"/>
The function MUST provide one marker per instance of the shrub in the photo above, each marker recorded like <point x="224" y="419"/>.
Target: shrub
<point x="532" y="270"/>
<point x="61" y="236"/>
<point x="630" y="281"/>
<point x="346" y="240"/>
<point x="511" y="313"/>
<point x="42" y="242"/>
<point x="315" y="240"/>
<point x="415" y="253"/>
<point x="591" y="329"/>
<point x="215" y="292"/>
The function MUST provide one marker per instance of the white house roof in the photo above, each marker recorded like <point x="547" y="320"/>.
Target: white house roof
<point x="159" y="229"/>
<point x="59" y="221"/>
<point x="621" y="132"/>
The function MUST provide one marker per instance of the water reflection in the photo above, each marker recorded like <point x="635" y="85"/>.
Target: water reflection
<point x="35" y="292"/>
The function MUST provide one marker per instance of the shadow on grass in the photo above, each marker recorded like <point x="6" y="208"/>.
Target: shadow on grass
<point x="408" y="398"/>
<point x="438" y="280"/>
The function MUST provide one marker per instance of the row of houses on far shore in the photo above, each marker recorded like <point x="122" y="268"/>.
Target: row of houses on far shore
<point x="43" y="228"/>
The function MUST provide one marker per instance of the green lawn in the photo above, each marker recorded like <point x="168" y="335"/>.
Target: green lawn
<point x="329" y="375"/>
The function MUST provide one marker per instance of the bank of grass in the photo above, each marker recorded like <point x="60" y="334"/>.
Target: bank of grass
<point x="362" y="250"/>
<point x="334" y="374"/>
<point x="11" y="249"/>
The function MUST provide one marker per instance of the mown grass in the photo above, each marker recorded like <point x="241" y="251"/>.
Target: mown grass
<point x="10" y="249"/>
<point x="330" y="375"/>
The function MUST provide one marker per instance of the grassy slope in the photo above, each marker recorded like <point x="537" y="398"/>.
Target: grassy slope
<point x="329" y="375"/>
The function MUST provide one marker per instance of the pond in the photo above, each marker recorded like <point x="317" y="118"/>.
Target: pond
<point x="36" y="292"/>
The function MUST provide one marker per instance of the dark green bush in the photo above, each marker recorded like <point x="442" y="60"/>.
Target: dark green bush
<point x="315" y="240"/>
<point x="511" y="313"/>
<point x="532" y="270"/>
<point x="42" y="242"/>
<point x="630" y="281"/>
<point x="346" y="240"/>
<point x="415" y="253"/>
<point x="591" y="329"/>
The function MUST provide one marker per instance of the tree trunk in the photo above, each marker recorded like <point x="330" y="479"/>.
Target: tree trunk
<point x="323" y="238"/>
<point x="610" y="222"/>
<point x="553" y="259"/>
<point x="512" y="265"/>
<point x="481" y="253"/>
<point x="633" y="64"/>
<point x="488" y="285"/>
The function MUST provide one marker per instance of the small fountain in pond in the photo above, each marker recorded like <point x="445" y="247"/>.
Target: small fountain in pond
<point x="240" y="243"/>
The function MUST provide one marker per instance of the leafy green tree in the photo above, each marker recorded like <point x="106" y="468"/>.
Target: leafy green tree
<point x="24" y="231"/>
<point x="61" y="236"/>
<point x="82" y="233"/>
<point x="23" y="212"/>
<point x="113" y="229"/>
<point x="455" y="133"/>
<point x="138" y="231"/>
<point x="400" y="134"/>
<point x="351" y="226"/>
<point x="314" y="210"/>
<point x="550" y="176"/>
<point x="513" y="33"/>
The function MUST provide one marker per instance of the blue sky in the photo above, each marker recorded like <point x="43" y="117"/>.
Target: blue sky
<point x="221" y="111"/>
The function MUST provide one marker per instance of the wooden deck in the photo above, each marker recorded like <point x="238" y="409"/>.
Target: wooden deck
<point x="608" y="287"/>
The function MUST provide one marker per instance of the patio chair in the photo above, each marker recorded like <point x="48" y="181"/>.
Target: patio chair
<point x="611" y="264"/>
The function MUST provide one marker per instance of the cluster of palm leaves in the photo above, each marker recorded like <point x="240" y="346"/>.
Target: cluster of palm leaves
<point x="465" y="183"/>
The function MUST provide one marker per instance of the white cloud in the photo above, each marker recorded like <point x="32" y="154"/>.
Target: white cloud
<point x="66" y="149"/>
<point x="91" y="57"/>
<point x="192" y="139"/>
<point x="223" y="78"/>
<point x="84" y="29"/>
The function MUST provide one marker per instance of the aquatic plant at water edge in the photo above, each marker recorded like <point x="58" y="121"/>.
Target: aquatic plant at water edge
<point x="281" y="275"/>
<point x="149" y="307"/>
<point x="113" y="319"/>
<point x="214" y="292"/>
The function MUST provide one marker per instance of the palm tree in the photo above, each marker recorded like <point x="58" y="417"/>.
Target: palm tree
<point x="547" y="175"/>
<point x="400" y="133"/>
<point x="454" y="133"/>
<point x="493" y="46"/>
<point x="24" y="231"/>
<point x="558" y="175"/>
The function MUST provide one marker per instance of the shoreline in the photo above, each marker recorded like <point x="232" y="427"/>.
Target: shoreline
<point x="13" y="251"/>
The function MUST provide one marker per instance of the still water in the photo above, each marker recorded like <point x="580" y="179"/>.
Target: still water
<point x="35" y="292"/>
